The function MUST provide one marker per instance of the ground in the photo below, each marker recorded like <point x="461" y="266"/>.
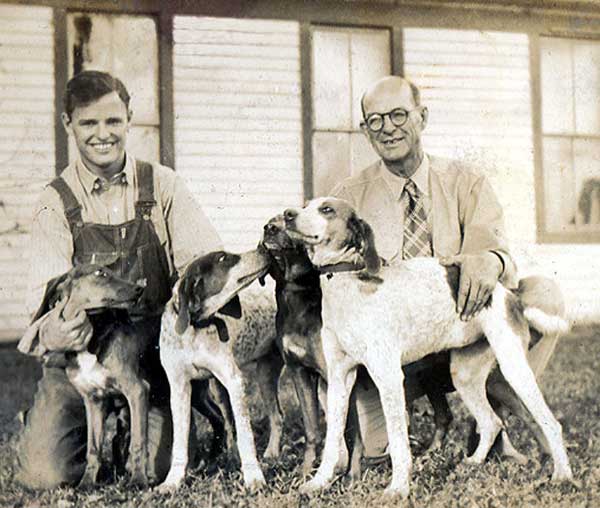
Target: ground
<point x="571" y="385"/>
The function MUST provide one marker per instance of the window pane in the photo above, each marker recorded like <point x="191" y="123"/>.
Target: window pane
<point x="331" y="160"/>
<point x="587" y="171"/>
<point x="587" y="89"/>
<point x="370" y="60"/>
<point x="331" y="80"/>
<point x="361" y="152"/>
<point x="556" y="85"/>
<point x="559" y="184"/>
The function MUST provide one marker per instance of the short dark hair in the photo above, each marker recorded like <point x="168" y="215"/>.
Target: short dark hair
<point x="88" y="86"/>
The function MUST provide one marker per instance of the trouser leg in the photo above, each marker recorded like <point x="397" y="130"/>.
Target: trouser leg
<point x="52" y="446"/>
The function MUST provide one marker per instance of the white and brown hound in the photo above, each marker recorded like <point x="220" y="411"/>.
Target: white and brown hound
<point x="384" y="317"/>
<point x="211" y="327"/>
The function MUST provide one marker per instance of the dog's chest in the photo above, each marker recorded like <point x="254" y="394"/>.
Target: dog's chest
<point x="90" y="377"/>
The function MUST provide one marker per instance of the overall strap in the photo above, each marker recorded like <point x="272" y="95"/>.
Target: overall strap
<point x="145" y="201"/>
<point x="70" y="203"/>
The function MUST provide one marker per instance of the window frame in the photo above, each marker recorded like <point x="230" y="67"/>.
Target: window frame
<point x="543" y="235"/>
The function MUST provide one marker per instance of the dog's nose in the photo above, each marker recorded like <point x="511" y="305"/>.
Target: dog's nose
<point x="290" y="215"/>
<point x="271" y="229"/>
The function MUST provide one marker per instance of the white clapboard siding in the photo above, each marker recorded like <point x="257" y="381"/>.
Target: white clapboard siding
<point x="26" y="146"/>
<point x="476" y="86"/>
<point x="238" y="120"/>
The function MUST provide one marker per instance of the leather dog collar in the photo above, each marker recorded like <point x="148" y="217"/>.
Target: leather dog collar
<point x="329" y="270"/>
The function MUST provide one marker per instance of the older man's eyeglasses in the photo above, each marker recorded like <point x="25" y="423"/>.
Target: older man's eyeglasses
<point x="374" y="122"/>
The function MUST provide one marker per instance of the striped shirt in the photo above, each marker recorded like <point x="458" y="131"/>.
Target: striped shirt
<point x="182" y="227"/>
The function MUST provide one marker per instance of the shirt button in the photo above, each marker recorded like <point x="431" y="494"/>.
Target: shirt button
<point x="96" y="185"/>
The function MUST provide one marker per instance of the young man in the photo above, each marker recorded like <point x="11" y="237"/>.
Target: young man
<point x="420" y="205"/>
<point x="138" y="219"/>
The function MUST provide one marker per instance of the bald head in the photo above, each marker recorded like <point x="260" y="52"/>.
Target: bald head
<point x="391" y="85"/>
<point x="393" y="121"/>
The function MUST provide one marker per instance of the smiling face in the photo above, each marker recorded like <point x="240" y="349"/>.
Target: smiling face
<point x="100" y="133"/>
<point x="394" y="144"/>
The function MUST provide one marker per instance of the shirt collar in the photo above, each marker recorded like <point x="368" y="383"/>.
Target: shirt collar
<point x="420" y="177"/>
<point x="92" y="182"/>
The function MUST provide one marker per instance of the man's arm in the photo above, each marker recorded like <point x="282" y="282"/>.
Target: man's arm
<point x="51" y="251"/>
<point x="189" y="229"/>
<point x="484" y="259"/>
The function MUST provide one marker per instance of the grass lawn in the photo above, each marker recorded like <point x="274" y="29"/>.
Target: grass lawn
<point x="571" y="385"/>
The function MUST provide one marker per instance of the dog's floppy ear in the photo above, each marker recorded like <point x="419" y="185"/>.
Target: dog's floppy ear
<point x="53" y="293"/>
<point x="183" y="314"/>
<point x="232" y="308"/>
<point x="364" y="241"/>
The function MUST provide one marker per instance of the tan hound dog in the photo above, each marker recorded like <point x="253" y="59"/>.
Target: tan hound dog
<point x="386" y="317"/>
<point x="109" y="366"/>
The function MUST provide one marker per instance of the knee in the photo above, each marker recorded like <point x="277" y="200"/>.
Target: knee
<point x="40" y="465"/>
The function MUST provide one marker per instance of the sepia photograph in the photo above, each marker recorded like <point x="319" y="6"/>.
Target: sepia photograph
<point x="300" y="253"/>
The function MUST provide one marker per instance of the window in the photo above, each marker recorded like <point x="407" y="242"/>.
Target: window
<point x="345" y="61"/>
<point x="570" y="138"/>
<point x="127" y="47"/>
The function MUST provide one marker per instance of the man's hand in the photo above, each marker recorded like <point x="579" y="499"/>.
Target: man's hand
<point x="479" y="274"/>
<point x="56" y="334"/>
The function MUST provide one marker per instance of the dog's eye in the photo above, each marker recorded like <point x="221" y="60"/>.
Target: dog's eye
<point x="326" y="210"/>
<point x="100" y="273"/>
<point x="222" y="258"/>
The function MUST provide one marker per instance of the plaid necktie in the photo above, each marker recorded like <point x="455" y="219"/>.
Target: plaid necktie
<point x="417" y="237"/>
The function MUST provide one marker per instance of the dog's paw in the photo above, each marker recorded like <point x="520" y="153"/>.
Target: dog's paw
<point x="562" y="474"/>
<point x="314" y="485"/>
<point x="88" y="480"/>
<point x="254" y="479"/>
<point x="138" y="479"/>
<point x="167" y="487"/>
<point x="394" y="492"/>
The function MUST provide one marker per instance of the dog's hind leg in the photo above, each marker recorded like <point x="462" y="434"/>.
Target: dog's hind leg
<point x="268" y="370"/>
<point x="94" y="411"/>
<point x="470" y="368"/>
<point x="232" y="378"/>
<point x="181" y="393"/>
<point x="202" y="401"/>
<point x="136" y="393"/>
<point x="504" y="333"/>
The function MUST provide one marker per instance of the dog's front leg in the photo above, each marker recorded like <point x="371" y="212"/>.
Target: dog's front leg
<point x="305" y="383"/>
<point x="341" y="374"/>
<point x="94" y="412"/>
<point x="232" y="378"/>
<point x="387" y="374"/>
<point x="181" y="393"/>
<point x="137" y="397"/>
<point x="268" y="370"/>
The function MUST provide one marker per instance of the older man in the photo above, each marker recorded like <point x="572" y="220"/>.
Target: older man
<point x="134" y="217"/>
<point x="420" y="205"/>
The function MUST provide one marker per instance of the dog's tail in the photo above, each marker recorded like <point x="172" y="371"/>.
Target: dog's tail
<point x="543" y="305"/>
